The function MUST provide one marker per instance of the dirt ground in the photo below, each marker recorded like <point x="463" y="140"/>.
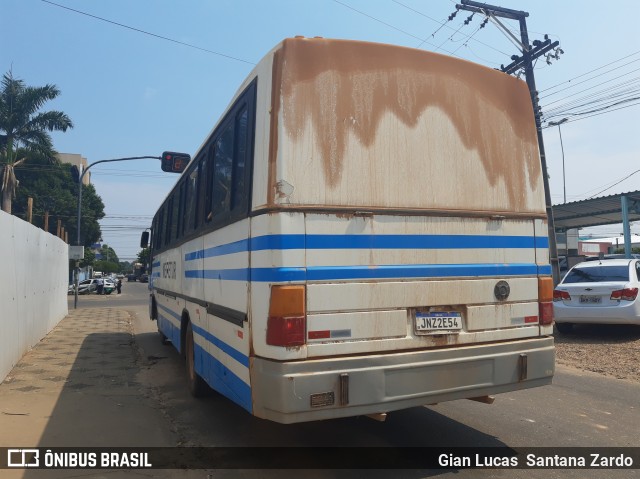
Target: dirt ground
<point x="612" y="350"/>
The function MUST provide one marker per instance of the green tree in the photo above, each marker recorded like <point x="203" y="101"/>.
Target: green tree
<point x="89" y="258"/>
<point x="144" y="256"/>
<point x="109" y="262"/>
<point x="52" y="188"/>
<point x="109" y="254"/>
<point x="24" y="129"/>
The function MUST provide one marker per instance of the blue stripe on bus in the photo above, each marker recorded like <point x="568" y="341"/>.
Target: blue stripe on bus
<point x="156" y="264"/>
<point x="227" y="349"/>
<point x="544" y="269"/>
<point x="215" y="373"/>
<point x="229" y="248"/>
<point x="170" y="311"/>
<point x="222" y="379"/>
<point x="335" y="273"/>
<point x="288" y="242"/>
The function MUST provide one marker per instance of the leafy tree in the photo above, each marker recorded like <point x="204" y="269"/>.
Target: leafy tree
<point x="106" y="266"/>
<point x="125" y="266"/>
<point x="109" y="255"/>
<point x="89" y="258"/>
<point x="144" y="256"/>
<point x="52" y="188"/>
<point x="24" y="129"/>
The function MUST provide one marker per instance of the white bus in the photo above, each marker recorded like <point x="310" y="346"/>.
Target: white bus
<point x="363" y="231"/>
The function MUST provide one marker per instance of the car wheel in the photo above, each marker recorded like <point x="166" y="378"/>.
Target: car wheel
<point x="564" y="328"/>
<point x="197" y="386"/>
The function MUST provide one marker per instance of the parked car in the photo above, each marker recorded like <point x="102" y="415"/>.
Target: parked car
<point x="109" y="286"/>
<point x="84" y="287"/>
<point x="144" y="278"/>
<point x="131" y="277"/>
<point x="600" y="292"/>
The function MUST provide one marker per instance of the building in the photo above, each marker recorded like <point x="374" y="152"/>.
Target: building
<point x="76" y="160"/>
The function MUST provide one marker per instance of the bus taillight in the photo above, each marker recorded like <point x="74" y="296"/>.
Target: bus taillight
<point x="545" y="298"/>
<point x="286" y="325"/>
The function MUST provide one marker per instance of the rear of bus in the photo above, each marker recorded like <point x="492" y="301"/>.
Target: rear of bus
<point x="399" y="248"/>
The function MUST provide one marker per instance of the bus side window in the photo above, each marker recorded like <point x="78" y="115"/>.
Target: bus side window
<point x="175" y="214"/>
<point x="190" y="202"/>
<point x="167" y="230"/>
<point x="223" y="170"/>
<point x="208" y="184"/>
<point x="159" y="229"/>
<point x="240" y="160"/>
<point x="179" y="213"/>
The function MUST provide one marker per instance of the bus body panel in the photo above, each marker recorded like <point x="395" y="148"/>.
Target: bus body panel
<point x="377" y="126"/>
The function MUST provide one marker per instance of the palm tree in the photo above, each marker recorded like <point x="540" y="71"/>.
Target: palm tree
<point x="24" y="130"/>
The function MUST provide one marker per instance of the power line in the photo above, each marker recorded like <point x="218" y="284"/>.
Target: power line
<point x="615" y="184"/>
<point x="386" y="24"/>
<point x="444" y="24"/>
<point x="597" y="76"/>
<point x="206" y="50"/>
<point x="591" y="71"/>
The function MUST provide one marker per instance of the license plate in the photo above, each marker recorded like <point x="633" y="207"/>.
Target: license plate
<point x="438" y="322"/>
<point x="590" y="299"/>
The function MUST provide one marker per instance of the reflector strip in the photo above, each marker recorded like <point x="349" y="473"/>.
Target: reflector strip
<point x="319" y="334"/>
<point x="530" y="319"/>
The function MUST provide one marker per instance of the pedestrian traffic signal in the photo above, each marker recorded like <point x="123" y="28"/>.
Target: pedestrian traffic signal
<point x="174" y="162"/>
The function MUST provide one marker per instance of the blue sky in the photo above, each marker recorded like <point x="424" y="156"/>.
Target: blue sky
<point x="133" y="94"/>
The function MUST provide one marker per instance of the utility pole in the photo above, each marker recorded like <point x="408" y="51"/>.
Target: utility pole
<point x="525" y="62"/>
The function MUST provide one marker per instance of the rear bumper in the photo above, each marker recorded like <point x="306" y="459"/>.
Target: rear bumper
<point x="283" y="391"/>
<point x="626" y="314"/>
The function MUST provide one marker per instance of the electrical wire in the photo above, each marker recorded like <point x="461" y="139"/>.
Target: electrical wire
<point x="597" y="76"/>
<point x="387" y="24"/>
<point x="445" y="24"/>
<point x="590" y="71"/>
<point x="206" y="50"/>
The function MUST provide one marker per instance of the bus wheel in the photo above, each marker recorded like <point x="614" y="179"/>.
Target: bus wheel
<point x="197" y="386"/>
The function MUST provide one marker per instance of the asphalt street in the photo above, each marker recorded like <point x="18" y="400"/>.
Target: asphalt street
<point x="102" y="377"/>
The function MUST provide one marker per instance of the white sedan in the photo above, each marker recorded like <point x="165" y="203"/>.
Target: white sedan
<point x="598" y="292"/>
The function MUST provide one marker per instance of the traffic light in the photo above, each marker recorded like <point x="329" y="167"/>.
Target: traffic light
<point x="174" y="162"/>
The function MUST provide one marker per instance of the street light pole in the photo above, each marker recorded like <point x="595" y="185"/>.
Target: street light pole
<point x="564" y="183"/>
<point x="80" y="177"/>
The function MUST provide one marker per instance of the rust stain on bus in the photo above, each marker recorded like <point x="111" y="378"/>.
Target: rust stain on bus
<point x="346" y="87"/>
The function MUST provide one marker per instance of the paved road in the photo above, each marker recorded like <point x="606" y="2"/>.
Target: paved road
<point x="130" y="390"/>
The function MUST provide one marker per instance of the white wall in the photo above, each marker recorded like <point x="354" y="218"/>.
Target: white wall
<point x="34" y="266"/>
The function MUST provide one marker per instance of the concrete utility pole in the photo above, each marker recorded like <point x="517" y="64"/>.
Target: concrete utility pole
<point x="525" y="62"/>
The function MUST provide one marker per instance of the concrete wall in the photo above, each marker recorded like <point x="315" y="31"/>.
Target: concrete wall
<point x="33" y="287"/>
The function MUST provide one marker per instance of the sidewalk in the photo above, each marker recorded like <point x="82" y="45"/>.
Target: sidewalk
<point x="79" y="388"/>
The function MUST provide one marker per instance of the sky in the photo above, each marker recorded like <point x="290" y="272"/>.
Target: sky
<point x="139" y="78"/>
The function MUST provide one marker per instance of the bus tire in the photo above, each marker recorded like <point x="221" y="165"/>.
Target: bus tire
<point x="197" y="386"/>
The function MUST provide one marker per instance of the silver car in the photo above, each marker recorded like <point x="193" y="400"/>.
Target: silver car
<point x="84" y="287"/>
<point x="598" y="292"/>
